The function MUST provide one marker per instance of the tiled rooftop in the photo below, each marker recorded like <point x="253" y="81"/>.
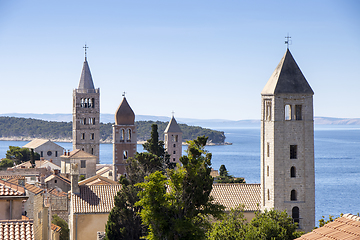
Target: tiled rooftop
<point x="30" y="187"/>
<point x="94" y="198"/>
<point x="57" y="192"/>
<point x="9" y="189"/>
<point x="231" y="195"/>
<point x="345" y="227"/>
<point x="55" y="228"/>
<point x="97" y="180"/>
<point x="16" y="229"/>
<point x="62" y="178"/>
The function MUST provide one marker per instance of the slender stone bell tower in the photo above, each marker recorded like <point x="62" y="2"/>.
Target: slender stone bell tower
<point x="86" y="113"/>
<point x="173" y="141"/>
<point x="287" y="144"/>
<point x="124" y="138"/>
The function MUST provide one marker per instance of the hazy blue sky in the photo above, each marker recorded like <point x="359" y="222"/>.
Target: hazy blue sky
<point x="201" y="59"/>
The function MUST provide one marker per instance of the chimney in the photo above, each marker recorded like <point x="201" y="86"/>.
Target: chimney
<point x="56" y="171"/>
<point x="74" y="177"/>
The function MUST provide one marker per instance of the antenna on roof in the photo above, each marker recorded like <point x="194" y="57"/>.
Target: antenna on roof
<point x="85" y="47"/>
<point x="288" y="41"/>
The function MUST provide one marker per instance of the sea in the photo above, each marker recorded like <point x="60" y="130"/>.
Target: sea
<point x="337" y="162"/>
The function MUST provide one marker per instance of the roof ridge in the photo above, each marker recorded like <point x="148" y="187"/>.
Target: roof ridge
<point x="352" y="217"/>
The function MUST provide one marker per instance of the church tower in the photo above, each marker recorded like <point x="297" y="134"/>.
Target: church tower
<point x="124" y="138"/>
<point x="173" y="140"/>
<point x="86" y="114"/>
<point x="287" y="144"/>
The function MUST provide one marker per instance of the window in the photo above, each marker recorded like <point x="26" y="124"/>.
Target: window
<point x="174" y="145"/>
<point x="174" y="159"/>
<point x="92" y="136"/>
<point x="41" y="154"/>
<point x="175" y="138"/>
<point x="298" y="115"/>
<point x="110" y="173"/>
<point x="267" y="116"/>
<point x="288" y="111"/>
<point x="293" y="195"/>
<point x="90" y="102"/>
<point x="90" y="121"/>
<point x="49" y="153"/>
<point x="56" y="153"/>
<point x="125" y="154"/>
<point x="85" y="103"/>
<point x="92" y="151"/>
<point x="268" y="194"/>
<point x="83" y="163"/>
<point x="129" y="134"/>
<point x="293" y="151"/>
<point x="174" y="152"/>
<point x="93" y="102"/>
<point x="84" y="121"/>
<point x="55" y="181"/>
<point x="293" y="172"/>
<point x="295" y="214"/>
<point x="267" y="170"/>
<point x="268" y="150"/>
<point x="93" y="121"/>
<point x="82" y="103"/>
<point x="83" y="136"/>
<point x="122" y="135"/>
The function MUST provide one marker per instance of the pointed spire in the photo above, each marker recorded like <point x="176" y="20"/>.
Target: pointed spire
<point x="287" y="78"/>
<point x="172" y="126"/>
<point x="86" y="81"/>
<point x="124" y="114"/>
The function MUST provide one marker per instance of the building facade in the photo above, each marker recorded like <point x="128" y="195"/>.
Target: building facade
<point x="86" y="114"/>
<point x="287" y="144"/>
<point x="124" y="138"/>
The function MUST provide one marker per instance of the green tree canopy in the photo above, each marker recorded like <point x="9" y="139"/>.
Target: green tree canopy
<point x="267" y="225"/>
<point x="20" y="155"/>
<point x="177" y="205"/>
<point x="64" y="232"/>
<point x="5" y="163"/>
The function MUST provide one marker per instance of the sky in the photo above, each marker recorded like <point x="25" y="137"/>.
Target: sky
<point x="201" y="59"/>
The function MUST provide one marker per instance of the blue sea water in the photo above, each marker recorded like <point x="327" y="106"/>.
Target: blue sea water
<point x="337" y="163"/>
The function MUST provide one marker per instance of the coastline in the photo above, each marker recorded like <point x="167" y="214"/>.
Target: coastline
<point x="108" y="141"/>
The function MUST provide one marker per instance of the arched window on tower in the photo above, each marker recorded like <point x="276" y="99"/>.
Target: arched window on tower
<point x="293" y="172"/>
<point x="85" y="103"/>
<point x="129" y="135"/>
<point x="293" y="195"/>
<point x="268" y="194"/>
<point x="295" y="213"/>
<point x="93" y="102"/>
<point x="82" y="103"/>
<point x="122" y="135"/>
<point x="90" y="102"/>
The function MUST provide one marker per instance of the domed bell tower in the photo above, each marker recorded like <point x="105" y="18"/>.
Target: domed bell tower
<point x="124" y="138"/>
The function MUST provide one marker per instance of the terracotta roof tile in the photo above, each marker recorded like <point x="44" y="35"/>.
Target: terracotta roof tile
<point x="9" y="189"/>
<point x="55" y="191"/>
<point x="55" y="228"/>
<point x="345" y="227"/>
<point x="16" y="229"/>
<point x="231" y="195"/>
<point x="94" y="198"/>
<point x="30" y="187"/>
<point x="97" y="180"/>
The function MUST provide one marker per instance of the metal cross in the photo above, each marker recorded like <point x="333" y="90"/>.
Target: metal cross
<point x="288" y="41"/>
<point x="123" y="94"/>
<point x="85" y="47"/>
<point x="172" y="113"/>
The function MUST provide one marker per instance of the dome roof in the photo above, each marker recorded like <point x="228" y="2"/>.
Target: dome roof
<point x="124" y="114"/>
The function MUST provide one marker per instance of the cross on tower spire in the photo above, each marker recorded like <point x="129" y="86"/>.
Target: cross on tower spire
<point x="123" y="94"/>
<point x="85" y="47"/>
<point x="172" y="113"/>
<point x="288" y="41"/>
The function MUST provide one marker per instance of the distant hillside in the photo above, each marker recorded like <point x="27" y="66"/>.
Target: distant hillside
<point x="27" y="128"/>
<point x="217" y="123"/>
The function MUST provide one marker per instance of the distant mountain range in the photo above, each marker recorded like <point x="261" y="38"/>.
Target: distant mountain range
<point x="109" y="118"/>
